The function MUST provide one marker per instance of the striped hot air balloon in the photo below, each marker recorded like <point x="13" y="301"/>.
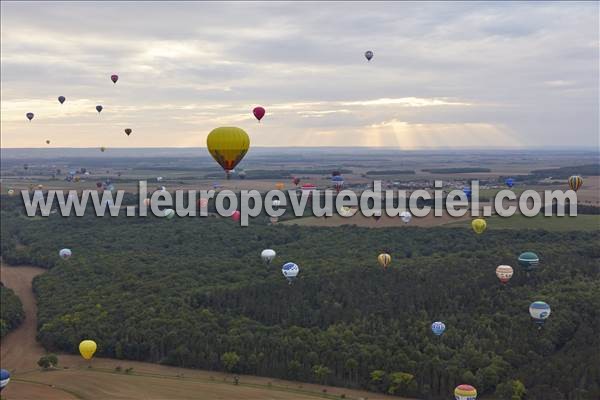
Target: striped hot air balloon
<point x="465" y="392"/>
<point x="575" y="182"/>
<point x="504" y="273"/>
<point x="384" y="260"/>
<point x="529" y="261"/>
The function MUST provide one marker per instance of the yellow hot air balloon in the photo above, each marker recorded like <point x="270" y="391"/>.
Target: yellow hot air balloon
<point x="87" y="348"/>
<point x="479" y="225"/>
<point x="228" y="145"/>
<point x="384" y="260"/>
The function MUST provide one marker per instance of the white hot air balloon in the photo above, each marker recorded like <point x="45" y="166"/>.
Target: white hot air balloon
<point x="267" y="256"/>
<point x="405" y="216"/>
<point x="65" y="254"/>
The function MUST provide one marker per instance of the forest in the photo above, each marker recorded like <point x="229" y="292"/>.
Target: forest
<point x="11" y="312"/>
<point x="193" y="292"/>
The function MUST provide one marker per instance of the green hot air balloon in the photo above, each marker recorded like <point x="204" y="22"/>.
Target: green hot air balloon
<point x="529" y="261"/>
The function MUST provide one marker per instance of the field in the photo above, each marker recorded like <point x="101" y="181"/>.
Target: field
<point x="74" y="379"/>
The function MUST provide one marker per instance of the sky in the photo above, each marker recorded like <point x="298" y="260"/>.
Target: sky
<point x="444" y="75"/>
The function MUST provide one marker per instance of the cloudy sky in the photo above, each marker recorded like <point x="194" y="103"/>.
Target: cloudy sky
<point x="462" y="75"/>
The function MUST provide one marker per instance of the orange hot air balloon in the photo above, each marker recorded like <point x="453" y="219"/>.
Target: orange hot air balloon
<point x="279" y="186"/>
<point x="228" y="145"/>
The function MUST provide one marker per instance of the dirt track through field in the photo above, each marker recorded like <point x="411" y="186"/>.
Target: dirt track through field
<point x="74" y="380"/>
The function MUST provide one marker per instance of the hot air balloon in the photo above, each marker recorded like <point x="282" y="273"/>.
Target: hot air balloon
<point x="114" y="78"/>
<point x="29" y="116"/>
<point x="338" y="182"/>
<point x="346" y="211"/>
<point x="159" y="178"/>
<point x="11" y="192"/>
<point x="128" y="131"/>
<point x="467" y="191"/>
<point x="509" y="182"/>
<point x="274" y="220"/>
<point x="406" y="216"/>
<point x="202" y="203"/>
<point x="103" y="149"/>
<point x="47" y="141"/>
<point x="504" y="273"/>
<point x="290" y="271"/>
<point x="242" y="174"/>
<point x="99" y="185"/>
<point x="479" y="225"/>
<point x="169" y="213"/>
<point x="465" y="392"/>
<point x="539" y="311"/>
<point x="384" y="260"/>
<point x="228" y="145"/>
<point x="267" y="256"/>
<point x="529" y="261"/>
<point x="438" y="328"/>
<point x="216" y="185"/>
<point x="575" y="182"/>
<point x="4" y="378"/>
<point x="258" y="112"/>
<point x="308" y="188"/>
<point x="368" y="55"/>
<point x="87" y="348"/>
<point x="61" y="99"/>
<point x="279" y="186"/>
<point x="296" y="181"/>
<point x="147" y="202"/>
<point x="25" y="166"/>
<point x="236" y="216"/>
<point x="99" y="108"/>
<point x="65" y="254"/>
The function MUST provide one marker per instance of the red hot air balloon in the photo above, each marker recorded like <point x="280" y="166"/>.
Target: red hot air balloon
<point x="258" y="112"/>
<point x="236" y="216"/>
<point x="114" y="78"/>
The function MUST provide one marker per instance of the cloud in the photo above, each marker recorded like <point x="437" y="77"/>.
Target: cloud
<point x="461" y="74"/>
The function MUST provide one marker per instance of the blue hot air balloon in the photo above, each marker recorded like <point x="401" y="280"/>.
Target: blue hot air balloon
<point x="438" y="328"/>
<point x="539" y="311"/>
<point x="510" y="182"/>
<point x="467" y="191"/>
<point x="4" y="378"/>
<point x="290" y="271"/>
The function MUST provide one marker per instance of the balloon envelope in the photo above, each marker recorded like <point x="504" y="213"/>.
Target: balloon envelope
<point x="479" y="225"/>
<point x="529" y="261"/>
<point x="61" y="99"/>
<point x="65" y="254"/>
<point x="504" y="273"/>
<point x="228" y="145"/>
<point x="465" y="392"/>
<point x="268" y="255"/>
<point x="384" y="260"/>
<point x="169" y="213"/>
<point x="290" y="271"/>
<point x="99" y="108"/>
<point x="87" y="348"/>
<point x="406" y="216"/>
<point x="438" y="328"/>
<point x="258" y="112"/>
<point x="510" y="182"/>
<point x="236" y="216"/>
<point x="539" y="311"/>
<point x="29" y="116"/>
<point x="114" y="78"/>
<point x="128" y="131"/>
<point x="575" y="182"/>
<point x="369" y="55"/>
<point x="4" y="378"/>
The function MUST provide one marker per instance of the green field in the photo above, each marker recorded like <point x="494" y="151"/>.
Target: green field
<point x="554" y="224"/>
